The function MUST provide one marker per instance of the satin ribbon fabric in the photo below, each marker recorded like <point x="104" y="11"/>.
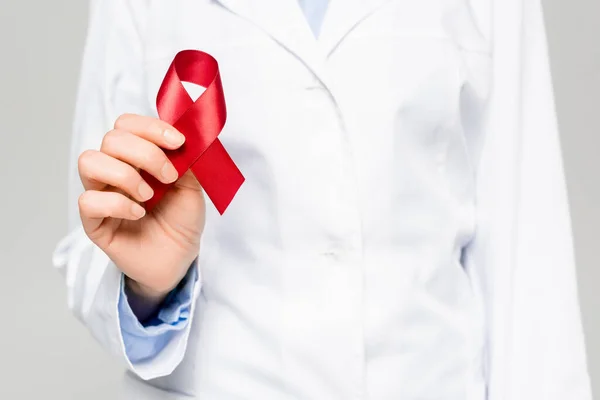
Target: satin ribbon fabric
<point x="200" y="121"/>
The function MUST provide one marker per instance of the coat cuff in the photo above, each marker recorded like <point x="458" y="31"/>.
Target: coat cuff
<point x="101" y="316"/>
<point x="144" y="341"/>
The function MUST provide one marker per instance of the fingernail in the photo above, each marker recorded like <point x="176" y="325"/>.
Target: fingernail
<point x="174" y="138"/>
<point x="145" y="191"/>
<point x="169" y="172"/>
<point x="137" y="210"/>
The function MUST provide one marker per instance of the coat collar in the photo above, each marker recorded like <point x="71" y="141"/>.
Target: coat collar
<point x="284" y="21"/>
<point x="341" y="18"/>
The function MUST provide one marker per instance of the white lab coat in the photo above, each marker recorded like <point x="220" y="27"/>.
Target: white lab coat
<point x="411" y="140"/>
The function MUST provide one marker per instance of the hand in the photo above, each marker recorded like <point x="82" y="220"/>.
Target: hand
<point x="155" y="250"/>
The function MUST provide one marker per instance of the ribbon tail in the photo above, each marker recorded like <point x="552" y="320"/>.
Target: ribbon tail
<point x="218" y="175"/>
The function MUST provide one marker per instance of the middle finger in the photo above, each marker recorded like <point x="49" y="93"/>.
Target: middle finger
<point x="139" y="153"/>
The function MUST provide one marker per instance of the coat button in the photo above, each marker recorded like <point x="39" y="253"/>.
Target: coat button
<point x="336" y="250"/>
<point x="332" y="253"/>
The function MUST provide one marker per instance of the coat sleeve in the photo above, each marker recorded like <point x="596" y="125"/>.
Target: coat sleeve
<point x="111" y="83"/>
<point x="522" y="255"/>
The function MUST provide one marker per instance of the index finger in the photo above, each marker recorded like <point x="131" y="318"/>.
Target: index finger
<point x="151" y="129"/>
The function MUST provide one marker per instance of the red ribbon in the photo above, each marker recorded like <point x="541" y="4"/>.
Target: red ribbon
<point x="201" y="122"/>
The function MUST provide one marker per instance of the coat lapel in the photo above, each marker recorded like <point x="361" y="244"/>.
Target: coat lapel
<point x="284" y="21"/>
<point x="341" y="18"/>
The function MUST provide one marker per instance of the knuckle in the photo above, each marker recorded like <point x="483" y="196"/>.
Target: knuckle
<point x="84" y="201"/>
<point x="109" y="140"/>
<point x="123" y="120"/>
<point x="85" y="159"/>
<point x="113" y="140"/>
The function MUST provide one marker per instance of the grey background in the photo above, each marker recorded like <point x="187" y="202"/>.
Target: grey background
<point x="44" y="352"/>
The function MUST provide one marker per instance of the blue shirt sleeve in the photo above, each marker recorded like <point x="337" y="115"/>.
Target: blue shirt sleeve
<point x="144" y="341"/>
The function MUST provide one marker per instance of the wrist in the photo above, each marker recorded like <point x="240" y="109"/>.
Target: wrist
<point x="143" y="301"/>
<point x="144" y="292"/>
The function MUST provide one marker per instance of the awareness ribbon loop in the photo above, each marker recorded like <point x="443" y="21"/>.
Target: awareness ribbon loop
<point x="200" y="122"/>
